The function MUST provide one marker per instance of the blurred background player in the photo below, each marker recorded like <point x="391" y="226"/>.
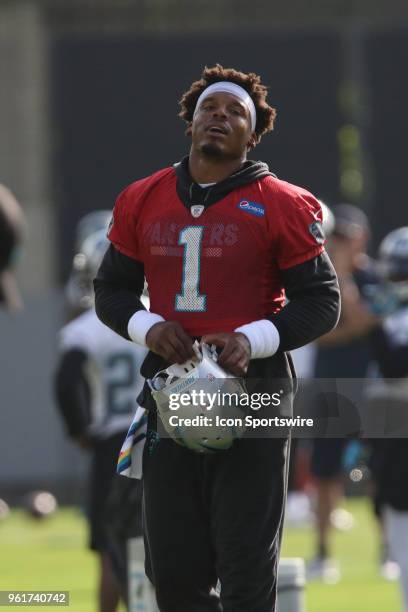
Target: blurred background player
<point x="78" y="290"/>
<point x="389" y="461"/>
<point x="343" y="353"/>
<point x="12" y="227"/>
<point x="97" y="382"/>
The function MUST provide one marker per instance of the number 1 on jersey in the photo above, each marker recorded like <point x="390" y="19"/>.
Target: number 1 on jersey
<point x="190" y="300"/>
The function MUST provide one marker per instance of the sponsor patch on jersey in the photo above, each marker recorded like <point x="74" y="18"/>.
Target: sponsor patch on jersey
<point x="253" y="208"/>
<point x="317" y="232"/>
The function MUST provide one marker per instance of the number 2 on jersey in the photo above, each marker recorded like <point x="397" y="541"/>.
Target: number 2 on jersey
<point x="120" y="379"/>
<point x="190" y="300"/>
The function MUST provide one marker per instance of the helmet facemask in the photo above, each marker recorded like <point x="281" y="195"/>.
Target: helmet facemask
<point x="200" y="392"/>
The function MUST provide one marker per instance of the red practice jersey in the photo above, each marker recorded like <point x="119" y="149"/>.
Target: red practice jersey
<point x="220" y="270"/>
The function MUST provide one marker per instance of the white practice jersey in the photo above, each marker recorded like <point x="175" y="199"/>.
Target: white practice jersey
<point x="396" y="327"/>
<point x="112" y="371"/>
<point x="304" y="360"/>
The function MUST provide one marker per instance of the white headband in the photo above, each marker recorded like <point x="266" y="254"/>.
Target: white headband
<point x="234" y="89"/>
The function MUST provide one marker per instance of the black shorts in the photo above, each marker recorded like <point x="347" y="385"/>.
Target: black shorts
<point x="327" y="457"/>
<point x="124" y="521"/>
<point x="103" y="471"/>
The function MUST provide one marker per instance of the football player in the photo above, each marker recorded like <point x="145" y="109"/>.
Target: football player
<point x="389" y="461"/>
<point x="220" y="239"/>
<point x="12" y="227"/>
<point x="344" y="353"/>
<point x="97" y="381"/>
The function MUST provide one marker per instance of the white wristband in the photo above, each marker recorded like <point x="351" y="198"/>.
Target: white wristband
<point x="140" y="323"/>
<point x="263" y="338"/>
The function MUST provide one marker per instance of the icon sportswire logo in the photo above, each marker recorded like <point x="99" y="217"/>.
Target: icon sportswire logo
<point x="253" y="208"/>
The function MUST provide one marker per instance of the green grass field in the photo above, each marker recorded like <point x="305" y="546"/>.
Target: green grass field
<point x="361" y="589"/>
<point x="52" y="555"/>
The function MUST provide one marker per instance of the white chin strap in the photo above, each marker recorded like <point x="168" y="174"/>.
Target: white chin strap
<point x="234" y="89"/>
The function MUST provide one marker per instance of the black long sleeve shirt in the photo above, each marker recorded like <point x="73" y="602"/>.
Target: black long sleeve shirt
<point x="311" y="287"/>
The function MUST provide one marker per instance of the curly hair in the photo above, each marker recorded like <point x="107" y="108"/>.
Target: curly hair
<point x="251" y="82"/>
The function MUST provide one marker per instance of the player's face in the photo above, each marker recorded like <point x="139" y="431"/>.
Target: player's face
<point x="222" y="127"/>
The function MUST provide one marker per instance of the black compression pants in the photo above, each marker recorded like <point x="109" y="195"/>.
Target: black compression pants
<point x="214" y="516"/>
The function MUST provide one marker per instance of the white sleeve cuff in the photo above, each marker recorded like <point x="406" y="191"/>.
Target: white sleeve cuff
<point x="140" y="323"/>
<point x="263" y="338"/>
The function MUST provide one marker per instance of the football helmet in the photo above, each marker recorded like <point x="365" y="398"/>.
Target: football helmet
<point x="79" y="289"/>
<point x="390" y="293"/>
<point x="328" y="219"/>
<point x="199" y="402"/>
<point x="393" y="255"/>
<point x="90" y="255"/>
<point x="89" y="224"/>
<point x="90" y="245"/>
<point x="90" y="252"/>
<point x="393" y="263"/>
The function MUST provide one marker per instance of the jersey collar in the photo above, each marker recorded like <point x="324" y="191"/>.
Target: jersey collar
<point x="191" y="193"/>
